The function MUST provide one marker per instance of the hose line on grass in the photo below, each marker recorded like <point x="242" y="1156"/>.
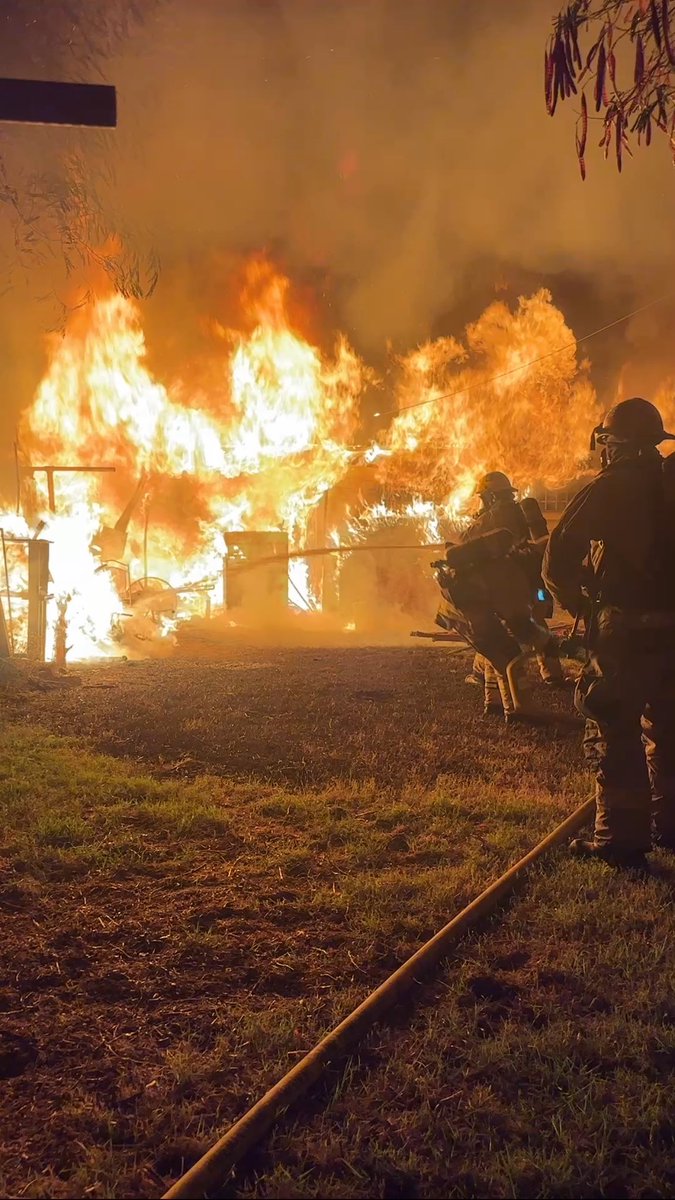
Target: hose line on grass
<point x="212" y="1168"/>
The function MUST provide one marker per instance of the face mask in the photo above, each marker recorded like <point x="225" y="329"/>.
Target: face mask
<point x="614" y="451"/>
<point x="611" y="452"/>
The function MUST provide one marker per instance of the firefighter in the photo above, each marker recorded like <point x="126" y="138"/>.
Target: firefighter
<point x="501" y="510"/>
<point x="621" y="525"/>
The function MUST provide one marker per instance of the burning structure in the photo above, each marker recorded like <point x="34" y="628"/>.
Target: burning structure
<point x="142" y="488"/>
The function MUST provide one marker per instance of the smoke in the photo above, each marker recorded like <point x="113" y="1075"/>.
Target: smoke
<point x="394" y="153"/>
<point x="392" y="145"/>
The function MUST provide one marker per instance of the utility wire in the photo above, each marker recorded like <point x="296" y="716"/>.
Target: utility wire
<point x="524" y="366"/>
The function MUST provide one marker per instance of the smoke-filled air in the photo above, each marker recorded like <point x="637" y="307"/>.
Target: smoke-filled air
<point x="290" y="298"/>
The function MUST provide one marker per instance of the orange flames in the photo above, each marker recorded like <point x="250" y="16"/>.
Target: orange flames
<point x="502" y="402"/>
<point x="272" y="432"/>
<point x="258" y="452"/>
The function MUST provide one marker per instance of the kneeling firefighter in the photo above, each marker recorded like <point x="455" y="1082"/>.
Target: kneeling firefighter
<point x="486" y="591"/>
<point x="527" y="523"/>
<point x="623" y="523"/>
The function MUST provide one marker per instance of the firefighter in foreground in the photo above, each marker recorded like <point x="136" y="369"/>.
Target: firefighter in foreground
<point x="623" y="525"/>
<point x="526" y="522"/>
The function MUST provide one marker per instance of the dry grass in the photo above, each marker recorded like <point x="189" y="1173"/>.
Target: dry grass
<point x="541" y="1065"/>
<point x="179" y="930"/>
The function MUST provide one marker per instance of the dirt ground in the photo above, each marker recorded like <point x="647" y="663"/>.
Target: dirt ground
<point x="302" y="716"/>
<point x="207" y="861"/>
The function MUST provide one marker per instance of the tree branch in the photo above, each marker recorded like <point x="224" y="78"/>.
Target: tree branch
<point x="589" y="44"/>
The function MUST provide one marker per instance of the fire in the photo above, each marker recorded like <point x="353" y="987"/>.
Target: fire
<point x="259" y="444"/>
<point x="501" y="401"/>
<point x="293" y="413"/>
<point x="256" y="452"/>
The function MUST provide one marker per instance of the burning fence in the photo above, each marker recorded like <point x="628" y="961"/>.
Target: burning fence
<point x="140" y="487"/>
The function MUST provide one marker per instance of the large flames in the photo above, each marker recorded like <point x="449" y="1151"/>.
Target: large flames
<point x="503" y="400"/>
<point x="273" y="431"/>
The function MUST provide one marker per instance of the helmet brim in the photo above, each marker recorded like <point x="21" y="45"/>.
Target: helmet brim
<point x="605" y="437"/>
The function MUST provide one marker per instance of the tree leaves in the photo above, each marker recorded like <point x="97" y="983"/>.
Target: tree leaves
<point x="655" y="25"/>
<point x="667" y="36"/>
<point x="625" y="108"/>
<point x="639" y="61"/>
<point x="582" y="135"/>
<point x="600" y="78"/>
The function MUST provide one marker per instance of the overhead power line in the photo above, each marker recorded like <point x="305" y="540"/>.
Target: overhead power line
<point x="524" y="366"/>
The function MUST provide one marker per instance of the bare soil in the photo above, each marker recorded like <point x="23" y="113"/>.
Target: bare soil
<point x="301" y="716"/>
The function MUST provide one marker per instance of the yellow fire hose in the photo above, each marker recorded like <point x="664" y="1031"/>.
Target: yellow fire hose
<point x="210" y="1171"/>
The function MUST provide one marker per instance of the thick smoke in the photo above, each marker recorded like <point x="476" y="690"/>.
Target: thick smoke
<point x="400" y="154"/>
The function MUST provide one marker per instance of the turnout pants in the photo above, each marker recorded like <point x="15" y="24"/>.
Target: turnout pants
<point x="627" y="693"/>
<point x="496" y="686"/>
<point x="497" y="693"/>
<point x="549" y="664"/>
<point x="548" y="658"/>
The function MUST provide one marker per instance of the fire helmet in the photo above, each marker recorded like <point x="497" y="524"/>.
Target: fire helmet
<point x="634" y="420"/>
<point x="495" y="482"/>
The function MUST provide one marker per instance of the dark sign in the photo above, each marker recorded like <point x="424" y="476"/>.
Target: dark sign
<point x="36" y="102"/>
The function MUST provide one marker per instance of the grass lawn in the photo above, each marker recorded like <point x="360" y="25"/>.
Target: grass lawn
<point x="540" y="1065"/>
<point x="204" y="865"/>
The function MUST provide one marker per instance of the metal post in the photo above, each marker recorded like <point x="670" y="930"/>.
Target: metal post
<point x="5" y="651"/>
<point x="145" y="542"/>
<point x="17" y="470"/>
<point x="9" y="593"/>
<point x="50" y="489"/>
<point x="38" y="587"/>
<point x="328" y="590"/>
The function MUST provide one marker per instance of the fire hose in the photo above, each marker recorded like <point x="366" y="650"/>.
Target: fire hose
<point x="212" y="1169"/>
<point x="251" y="564"/>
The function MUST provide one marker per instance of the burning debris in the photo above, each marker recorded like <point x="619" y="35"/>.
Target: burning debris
<point x="266" y="450"/>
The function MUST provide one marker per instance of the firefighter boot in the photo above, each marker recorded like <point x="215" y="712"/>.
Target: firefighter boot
<point x="664" y="839"/>
<point x="477" y="672"/>
<point x="550" y="667"/>
<point x="622" y="834"/>
<point x="663" y="812"/>
<point x="628" y="860"/>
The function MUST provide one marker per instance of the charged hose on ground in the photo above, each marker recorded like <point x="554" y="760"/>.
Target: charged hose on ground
<point x="212" y="1169"/>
